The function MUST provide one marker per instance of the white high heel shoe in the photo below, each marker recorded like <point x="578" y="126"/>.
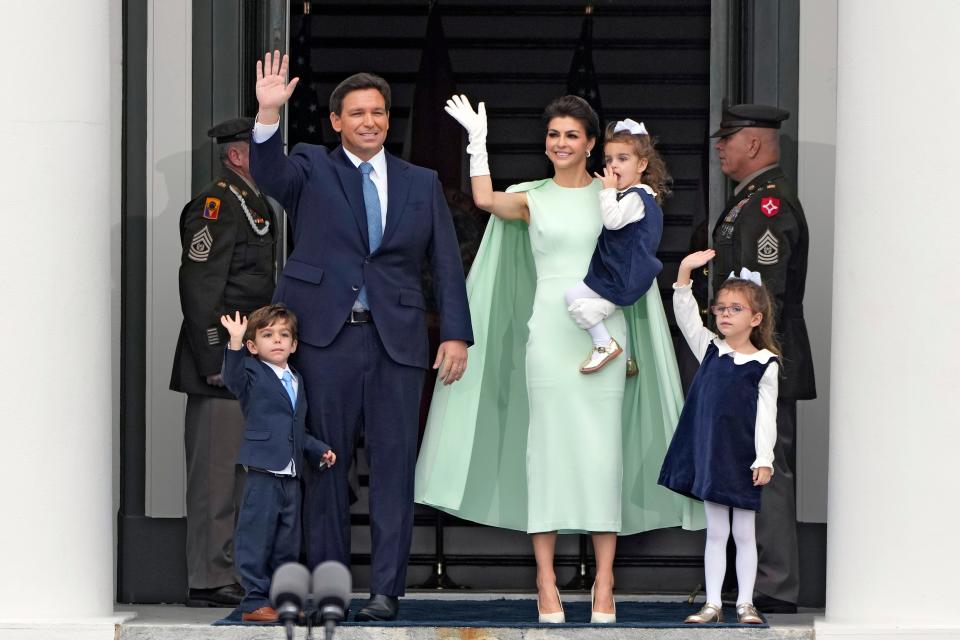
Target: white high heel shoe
<point x="551" y="618"/>
<point x="599" y="617"/>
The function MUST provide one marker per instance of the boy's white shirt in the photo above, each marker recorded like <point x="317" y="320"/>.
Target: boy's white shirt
<point x="699" y="338"/>
<point x="619" y="213"/>
<point x="291" y="468"/>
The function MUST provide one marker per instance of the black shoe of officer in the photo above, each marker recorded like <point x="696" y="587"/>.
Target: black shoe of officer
<point x="378" y="609"/>
<point x="228" y="595"/>
<point x="766" y="604"/>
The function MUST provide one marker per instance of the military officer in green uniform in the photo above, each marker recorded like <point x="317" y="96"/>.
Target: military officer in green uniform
<point x="764" y="229"/>
<point x="228" y="234"/>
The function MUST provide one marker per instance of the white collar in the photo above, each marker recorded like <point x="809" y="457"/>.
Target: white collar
<point x="645" y="187"/>
<point x="278" y="370"/>
<point x="762" y="356"/>
<point x="378" y="161"/>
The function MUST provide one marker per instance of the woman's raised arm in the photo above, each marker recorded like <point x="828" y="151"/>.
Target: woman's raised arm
<point x="509" y="206"/>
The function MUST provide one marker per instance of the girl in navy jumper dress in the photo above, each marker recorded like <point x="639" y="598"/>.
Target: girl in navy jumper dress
<point x="625" y="263"/>
<point x="722" y="450"/>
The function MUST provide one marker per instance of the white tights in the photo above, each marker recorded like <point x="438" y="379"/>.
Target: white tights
<point x="598" y="332"/>
<point x="715" y="553"/>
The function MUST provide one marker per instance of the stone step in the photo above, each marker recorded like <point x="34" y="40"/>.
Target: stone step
<point x="175" y="622"/>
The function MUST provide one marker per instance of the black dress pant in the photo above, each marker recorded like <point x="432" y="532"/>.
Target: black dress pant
<point x="353" y="388"/>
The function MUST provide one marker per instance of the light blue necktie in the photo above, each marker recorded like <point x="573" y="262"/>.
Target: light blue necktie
<point x="371" y="201"/>
<point x="287" y="381"/>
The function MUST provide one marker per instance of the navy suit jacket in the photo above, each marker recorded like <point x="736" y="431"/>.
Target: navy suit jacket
<point x="274" y="431"/>
<point x="322" y="192"/>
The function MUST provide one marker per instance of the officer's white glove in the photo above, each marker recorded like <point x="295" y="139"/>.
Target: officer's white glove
<point x="475" y="122"/>
<point x="587" y="312"/>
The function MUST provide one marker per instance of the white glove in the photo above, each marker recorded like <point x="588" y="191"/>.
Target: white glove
<point x="475" y="122"/>
<point x="587" y="312"/>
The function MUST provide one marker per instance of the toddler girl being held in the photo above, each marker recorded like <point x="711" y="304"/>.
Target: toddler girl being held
<point x="624" y="263"/>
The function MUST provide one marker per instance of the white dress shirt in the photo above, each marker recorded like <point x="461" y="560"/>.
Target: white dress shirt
<point x="699" y="338"/>
<point x="291" y="468"/>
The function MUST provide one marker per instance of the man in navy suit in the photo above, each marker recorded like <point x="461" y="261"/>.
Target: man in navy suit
<point x="364" y="224"/>
<point x="275" y="442"/>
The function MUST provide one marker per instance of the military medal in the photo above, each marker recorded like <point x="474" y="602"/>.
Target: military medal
<point x="254" y="223"/>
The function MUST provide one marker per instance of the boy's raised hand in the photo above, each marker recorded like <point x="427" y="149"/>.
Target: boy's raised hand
<point x="236" y="327"/>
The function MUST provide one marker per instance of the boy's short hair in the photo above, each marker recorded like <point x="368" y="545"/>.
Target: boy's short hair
<point x="267" y="316"/>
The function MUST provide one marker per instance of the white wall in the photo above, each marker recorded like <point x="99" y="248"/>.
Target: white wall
<point x="892" y="540"/>
<point x="168" y="190"/>
<point x="816" y="168"/>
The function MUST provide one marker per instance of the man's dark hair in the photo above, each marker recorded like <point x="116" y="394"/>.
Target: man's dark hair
<point x="267" y="316"/>
<point x="357" y="82"/>
<point x="573" y="107"/>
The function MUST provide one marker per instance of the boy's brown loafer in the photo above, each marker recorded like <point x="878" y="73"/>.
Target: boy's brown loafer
<point x="263" y="614"/>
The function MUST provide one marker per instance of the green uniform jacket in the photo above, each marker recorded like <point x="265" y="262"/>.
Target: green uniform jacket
<point x="226" y="266"/>
<point x="763" y="229"/>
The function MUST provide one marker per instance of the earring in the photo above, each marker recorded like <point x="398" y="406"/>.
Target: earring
<point x="588" y="153"/>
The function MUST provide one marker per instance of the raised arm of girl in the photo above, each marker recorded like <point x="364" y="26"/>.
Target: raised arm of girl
<point x="509" y="206"/>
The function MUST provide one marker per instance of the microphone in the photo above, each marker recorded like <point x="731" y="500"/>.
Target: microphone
<point x="288" y="593"/>
<point x="332" y="585"/>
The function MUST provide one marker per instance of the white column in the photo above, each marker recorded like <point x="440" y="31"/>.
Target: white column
<point x="895" y="431"/>
<point x="55" y="174"/>
<point x="816" y="169"/>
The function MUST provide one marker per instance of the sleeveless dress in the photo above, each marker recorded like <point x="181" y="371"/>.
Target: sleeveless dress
<point x="716" y="441"/>
<point x="524" y="440"/>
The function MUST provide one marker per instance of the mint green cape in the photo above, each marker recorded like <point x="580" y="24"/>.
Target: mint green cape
<point x="472" y="461"/>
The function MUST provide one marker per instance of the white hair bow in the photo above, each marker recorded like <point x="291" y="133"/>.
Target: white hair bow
<point x="636" y="128"/>
<point x="746" y="274"/>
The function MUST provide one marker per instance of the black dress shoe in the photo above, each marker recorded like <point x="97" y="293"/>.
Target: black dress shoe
<point x="378" y="609"/>
<point x="766" y="604"/>
<point x="228" y="595"/>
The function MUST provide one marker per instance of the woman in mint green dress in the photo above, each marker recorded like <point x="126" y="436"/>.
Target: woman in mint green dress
<point x="525" y="441"/>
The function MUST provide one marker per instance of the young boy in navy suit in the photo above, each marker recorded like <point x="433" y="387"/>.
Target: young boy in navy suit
<point x="275" y="443"/>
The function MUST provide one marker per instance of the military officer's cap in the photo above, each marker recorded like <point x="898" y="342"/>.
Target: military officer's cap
<point x="738" y="116"/>
<point x="232" y="130"/>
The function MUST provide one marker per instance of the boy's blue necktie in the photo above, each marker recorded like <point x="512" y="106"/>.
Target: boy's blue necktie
<point x="287" y="381"/>
<point x="371" y="201"/>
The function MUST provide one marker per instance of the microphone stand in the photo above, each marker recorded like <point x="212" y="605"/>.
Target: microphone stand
<point x="308" y="611"/>
<point x="331" y="613"/>
<point x="288" y="614"/>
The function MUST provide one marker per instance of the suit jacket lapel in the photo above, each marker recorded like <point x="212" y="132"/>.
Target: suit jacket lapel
<point x="398" y="190"/>
<point x="352" y="188"/>
<point x="277" y="383"/>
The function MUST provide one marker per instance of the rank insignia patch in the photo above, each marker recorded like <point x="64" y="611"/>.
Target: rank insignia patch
<point x="768" y="249"/>
<point x="213" y="337"/>
<point x="770" y="206"/>
<point x="200" y="245"/>
<point x="211" y="208"/>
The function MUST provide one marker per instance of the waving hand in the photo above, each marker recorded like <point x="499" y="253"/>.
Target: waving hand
<point x="273" y="90"/>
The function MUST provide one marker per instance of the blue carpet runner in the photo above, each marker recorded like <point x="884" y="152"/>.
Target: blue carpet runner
<point x="417" y="612"/>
